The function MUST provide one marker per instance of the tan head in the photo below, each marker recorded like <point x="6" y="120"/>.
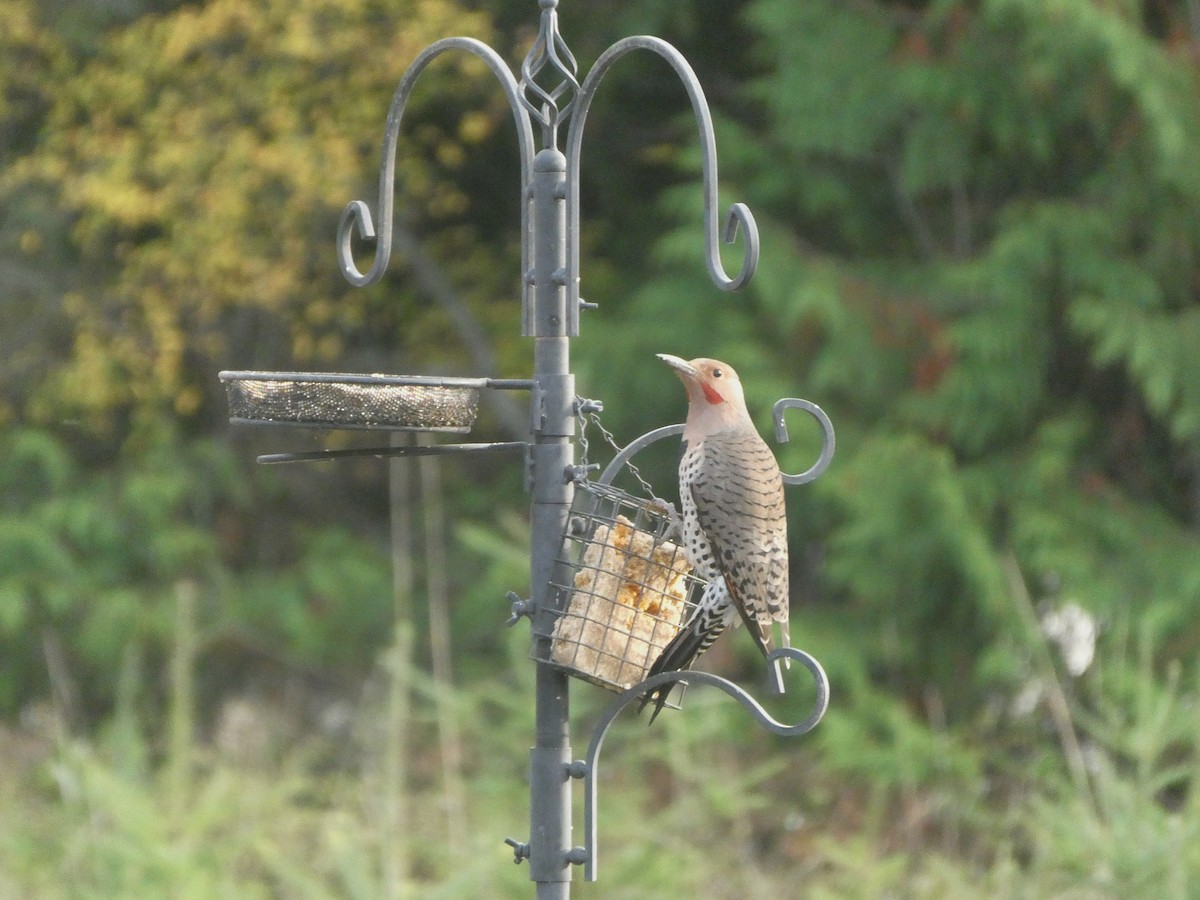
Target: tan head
<point x="715" y="399"/>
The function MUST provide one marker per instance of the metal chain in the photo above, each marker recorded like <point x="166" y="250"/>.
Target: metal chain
<point x="633" y="470"/>
<point x="583" y="441"/>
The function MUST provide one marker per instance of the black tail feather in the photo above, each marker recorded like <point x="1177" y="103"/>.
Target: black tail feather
<point x="683" y="650"/>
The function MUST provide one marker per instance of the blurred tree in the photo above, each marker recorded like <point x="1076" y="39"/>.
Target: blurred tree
<point x="171" y="190"/>
<point x="204" y="156"/>
<point x="35" y="259"/>
<point x="981" y="253"/>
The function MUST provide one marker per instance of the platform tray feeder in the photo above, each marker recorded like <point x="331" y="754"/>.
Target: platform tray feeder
<point x="338" y="401"/>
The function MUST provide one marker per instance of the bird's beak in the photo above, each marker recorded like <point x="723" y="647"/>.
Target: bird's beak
<point x="682" y="366"/>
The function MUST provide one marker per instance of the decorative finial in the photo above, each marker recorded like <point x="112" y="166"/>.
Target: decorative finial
<point x="549" y="51"/>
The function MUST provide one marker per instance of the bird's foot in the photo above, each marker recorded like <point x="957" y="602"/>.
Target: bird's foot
<point x="667" y="509"/>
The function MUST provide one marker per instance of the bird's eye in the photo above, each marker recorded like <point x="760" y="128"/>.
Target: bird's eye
<point x="716" y="373"/>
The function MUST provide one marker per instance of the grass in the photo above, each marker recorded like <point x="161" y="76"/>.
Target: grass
<point x="251" y="800"/>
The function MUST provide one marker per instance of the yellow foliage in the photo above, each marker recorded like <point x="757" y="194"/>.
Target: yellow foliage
<point x="205" y="156"/>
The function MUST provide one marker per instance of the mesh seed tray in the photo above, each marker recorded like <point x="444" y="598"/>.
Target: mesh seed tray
<point x="384" y="402"/>
<point x="631" y="588"/>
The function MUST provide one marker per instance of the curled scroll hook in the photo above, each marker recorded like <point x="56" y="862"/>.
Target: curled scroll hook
<point x="738" y="219"/>
<point x="781" y="436"/>
<point x="356" y="218"/>
<point x="827" y="445"/>
<point x="765" y="719"/>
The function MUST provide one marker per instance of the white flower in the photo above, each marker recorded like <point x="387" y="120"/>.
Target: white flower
<point x="1074" y="630"/>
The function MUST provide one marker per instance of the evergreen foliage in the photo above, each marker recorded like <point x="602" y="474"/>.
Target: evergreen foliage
<point x="981" y="255"/>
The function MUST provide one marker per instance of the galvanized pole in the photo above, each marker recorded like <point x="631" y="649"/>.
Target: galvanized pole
<point x="552" y="456"/>
<point x="552" y="428"/>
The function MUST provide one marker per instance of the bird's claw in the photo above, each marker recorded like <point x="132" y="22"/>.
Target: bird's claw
<point x="668" y="511"/>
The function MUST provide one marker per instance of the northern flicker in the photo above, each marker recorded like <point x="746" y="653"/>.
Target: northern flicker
<point x="733" y="520"/>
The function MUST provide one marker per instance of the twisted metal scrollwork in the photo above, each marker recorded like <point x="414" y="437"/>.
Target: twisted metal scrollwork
<point x="549" y="51"/>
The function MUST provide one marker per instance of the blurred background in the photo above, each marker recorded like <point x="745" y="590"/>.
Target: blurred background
<point x="981" y="255"/>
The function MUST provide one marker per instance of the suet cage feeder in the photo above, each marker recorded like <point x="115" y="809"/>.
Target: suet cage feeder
<point x="629" y="590"/>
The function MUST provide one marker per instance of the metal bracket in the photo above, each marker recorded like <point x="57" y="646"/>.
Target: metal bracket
<point x="586" y="768"/>
<point x="520" y="850"/>
<point x="579" y="473"/>
<point x="828" y="443"/>
<point x="738" y="220"/>
<point x="590" y="763"/>
<point x="781" y="436"/>
<point x="383" y="452"/>
<point x="553" y="400"/>
<point x="520" y="608"/>
<point x="357" y="219"/>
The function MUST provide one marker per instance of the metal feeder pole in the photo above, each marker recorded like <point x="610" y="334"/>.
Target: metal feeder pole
<point x="550" y="310"/>
<point x="552" y="458"/>
<point x="550" y="315"/>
